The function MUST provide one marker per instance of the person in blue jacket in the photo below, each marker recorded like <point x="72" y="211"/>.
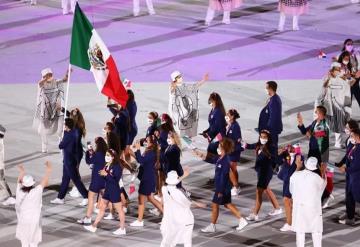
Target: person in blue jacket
<point x="271" y="115"/>
<point x="265" y="158"/>
<point x="291" y="161"/>
<point x="222" y="195"/>
<point x="217" y="124"/>
<point x="95" y="158"/>
<point x="233" y="132"/>
<point x="70" y="171"/>
<point x="148" y="162"/>
<point x="80" y="132"/>
<point x="122" y="127"/>
<point x="112" y="174"/>
<point x="112" y="139"/>
<point x="172" y="156"/>
<point x="132" y="109"/>
<point x="350" y="142"/>
<point x="353" y="176"/>
<point x="162" y="136"/>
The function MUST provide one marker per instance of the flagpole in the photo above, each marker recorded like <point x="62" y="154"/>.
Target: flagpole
<point x="67" y="95"/>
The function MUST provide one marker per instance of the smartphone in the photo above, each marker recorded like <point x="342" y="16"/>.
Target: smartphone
<point x="89" y="146"/>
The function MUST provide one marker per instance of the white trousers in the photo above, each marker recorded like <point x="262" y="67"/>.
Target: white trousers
<point x="68" y="6"/>
<point x="282" y="20"/>
<point x="316" y="238"/>
<point x="26" y="244"/>
<point x="210" y="14"/>
<point x="149" y="4"/>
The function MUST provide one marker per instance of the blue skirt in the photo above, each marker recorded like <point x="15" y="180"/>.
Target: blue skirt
<point x="264" y="178"/>
<point x="112" y="194"/>
<point x="223" y="200"/>
<point x="147" y="187"/>
<point x="96" y="186"/>
<point x="235" y="156"/>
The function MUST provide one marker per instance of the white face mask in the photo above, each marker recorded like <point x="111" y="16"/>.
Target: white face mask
<point x="104" y="131"/>
<point x="337" y="73"/>
<point x="345" y="62"/>
<point x="108" y="159"/>
<point x="211" y="104"/>
<point x="227" y="119"/>
<point x="263" y="141"/>
<point x="219" y="151"/>
<point x="347" y="131"/>
<point x="169" y="141"/>
<point x="349" y="48"/>
<point x="150" y="121"/>
<point x="145" y="145"/>
<point x="266" y="91"/>
<point x="342" y="73"/>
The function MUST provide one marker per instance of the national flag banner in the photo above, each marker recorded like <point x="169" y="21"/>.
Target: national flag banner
<point x="89" y="52"/>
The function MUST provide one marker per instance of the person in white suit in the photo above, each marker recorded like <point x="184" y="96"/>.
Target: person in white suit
<point x="149" y="4"/>
<point x="28" y="207"/>
<point x="307" y="187"/>
<point x="68" y="6"/>
<point x="178" y="220"/>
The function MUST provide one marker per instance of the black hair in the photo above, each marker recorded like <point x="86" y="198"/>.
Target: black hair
<point x="353" y="124"/>
<point x="356" y="132"/>
<point x="27" y="189"/>
<point x="131" y="97"/>
<point x="1" y="136"/>
<point x="101" y="145"/>
<point x="234" y="113"/>
<point x="322" y="109"/>
<point x="215" y="97"/>
<point x="69" y="122"/>
<point x="341" y="58"/>
<point x="272" y="85"/>
<point x="344" y="45"/>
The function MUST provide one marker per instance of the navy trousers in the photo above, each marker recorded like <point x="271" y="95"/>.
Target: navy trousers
<point x="71" y="173"/>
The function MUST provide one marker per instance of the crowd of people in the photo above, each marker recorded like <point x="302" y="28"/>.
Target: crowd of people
<point x="293" y="8"/>
<point x="155" y="158"/>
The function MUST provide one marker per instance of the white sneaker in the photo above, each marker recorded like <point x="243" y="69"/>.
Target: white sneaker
<point x="209" y="229"/>
<point x="120" y="232"/>
<point x="90" y="228"/>
<point x="242" y="224"/>
<point x="154" y="211"/>
<point x="84" y="203"/>
<point x="125" y="210"/>
<point x="296" y="28"/>
<point x="10" y="201"/>
<point x="74" y="193"/>
<point x="57" y="201"/>
<point x="110" y="216"/>
<point x="84" y="221"/>
<point x="276" y="212"/>
<point x="226" y="22"/>
<point x="286" y="228"/>
<point x="252" y="217"/>
<point x="157" y="197"/>
<point x="235" y="191"/>
<point x="137" y="223"/>
<point x="96" y="210"/>
<point x="328" y="200"/>
<point x="152" y="12"/>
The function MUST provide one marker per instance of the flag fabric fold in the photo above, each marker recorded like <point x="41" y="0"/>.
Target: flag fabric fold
<point x="89" y="52"/>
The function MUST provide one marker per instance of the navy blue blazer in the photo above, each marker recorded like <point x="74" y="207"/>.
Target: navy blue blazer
<point x="263" y="162"/>
<point x="234" y="133"/>
<point x="112" y="179"/>
<point x="147" y="163"/>
<point x="163" y="140"/>
<point x="217" y="123"/>
<point x="151" y="130"/>
<point x="172" y="160"/>
<point x="68" y="145"/>
<point x="132" y="109"/>
<point x="270" y="116"/>
<point x="353" y="170"/>
<point x="98" y="161"/>
<point x="222" y="170"/>
<point x="79" y="146"/>
<point x="122" y="127"/>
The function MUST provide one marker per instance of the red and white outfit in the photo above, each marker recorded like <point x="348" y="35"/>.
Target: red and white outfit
<point x="221" y="5"/>
<point x="294" y="8"/>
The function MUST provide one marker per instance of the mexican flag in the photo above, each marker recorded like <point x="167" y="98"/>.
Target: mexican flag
<point x="89" y="52"/>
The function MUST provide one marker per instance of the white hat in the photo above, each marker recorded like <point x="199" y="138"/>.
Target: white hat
<point x="175" y="74"/>
<point x="172" y="178"/>
<point x="311" y="163"/>
<point x="46" y="71"/>
<point x="28" y="181"/>
<point x="335" y="65"/>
